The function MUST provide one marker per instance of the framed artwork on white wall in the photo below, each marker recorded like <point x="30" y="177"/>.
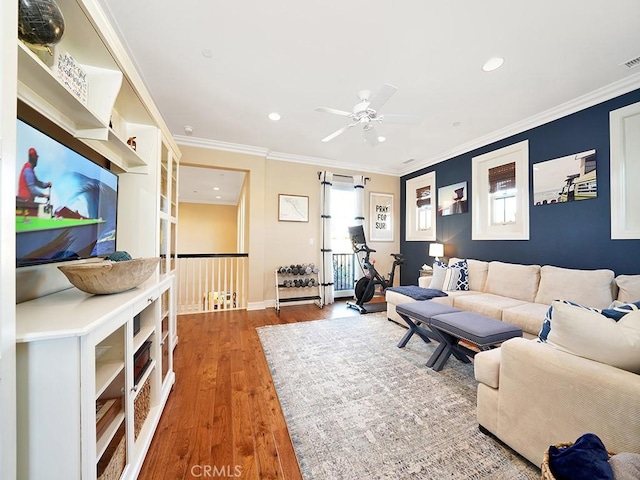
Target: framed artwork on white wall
<point x="381" y="217"/>
<point x="293" y="208"/>
<point x="421" y="205"/>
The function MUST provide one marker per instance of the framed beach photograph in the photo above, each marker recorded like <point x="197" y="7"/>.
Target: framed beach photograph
<point x="381" y="217"/>
<point x="565" y="179"/>
<point x="293" y="208"/>
<point x="453" y="199"/>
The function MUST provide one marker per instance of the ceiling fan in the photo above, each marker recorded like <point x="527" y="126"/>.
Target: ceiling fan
<point x="365" y="113"/>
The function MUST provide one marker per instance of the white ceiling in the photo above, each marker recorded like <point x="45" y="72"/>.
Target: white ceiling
<point x="291" y="56"/>
<point x="209" y="185"/>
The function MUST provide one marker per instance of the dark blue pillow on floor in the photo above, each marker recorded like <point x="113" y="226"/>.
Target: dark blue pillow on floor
<point x="586" y="458"/>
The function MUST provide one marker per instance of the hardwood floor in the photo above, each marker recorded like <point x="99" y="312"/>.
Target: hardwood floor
<point x="223" y="418"/>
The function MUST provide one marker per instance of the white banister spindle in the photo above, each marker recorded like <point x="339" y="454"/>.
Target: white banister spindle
<point x="210" y="283"/>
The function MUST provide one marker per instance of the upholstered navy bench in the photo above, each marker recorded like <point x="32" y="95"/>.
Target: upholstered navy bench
<point x="422" y="312"/>
<point x="417" y="316"/>
<point x="484" y="332"/>
<point x="449" y="325"/>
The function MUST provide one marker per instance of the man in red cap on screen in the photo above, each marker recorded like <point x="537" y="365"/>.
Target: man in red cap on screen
<point x="29" y="186"/>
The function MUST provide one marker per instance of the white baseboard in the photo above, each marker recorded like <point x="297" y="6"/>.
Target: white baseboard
<point x="256" y="306"/>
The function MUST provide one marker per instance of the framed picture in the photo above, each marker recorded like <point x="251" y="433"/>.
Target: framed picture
<point x="452" y="199"/>
<point x="421" y="208"/>
<point x="565" y="179"/>
<point x="381" y="217"/>
<point x="293" y="208"/>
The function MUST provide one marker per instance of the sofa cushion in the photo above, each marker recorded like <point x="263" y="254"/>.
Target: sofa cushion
<point x="513" y="280"/>
<point x="629" y="288"/>
<point x="586" y="287"/>
<point x="451" y="296"/>
<point x="477" y="272"/>
<point x="528" y="316"/>
<point x="587" y="333"/>
<point x="486" y="304"/>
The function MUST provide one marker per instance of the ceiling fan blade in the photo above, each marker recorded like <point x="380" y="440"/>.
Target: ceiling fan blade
<point x="333" y="110"/>
<point x="381" y="96"/>
<point x="336" y="133"/>
<point x="371" y="136"/>
<point x="401" y="119"/>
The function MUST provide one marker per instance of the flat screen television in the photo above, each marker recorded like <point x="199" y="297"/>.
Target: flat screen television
<point x="66" y="205"/>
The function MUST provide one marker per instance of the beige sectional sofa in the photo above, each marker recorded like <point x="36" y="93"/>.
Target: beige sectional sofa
<point x="519" y="294"/>
<point x="530" y="394"/>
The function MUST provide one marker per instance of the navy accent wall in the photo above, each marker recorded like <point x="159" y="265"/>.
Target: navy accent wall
<point x="571" y="235"/>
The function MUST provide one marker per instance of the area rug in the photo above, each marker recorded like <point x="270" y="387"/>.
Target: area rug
<point x="358" y="407"/>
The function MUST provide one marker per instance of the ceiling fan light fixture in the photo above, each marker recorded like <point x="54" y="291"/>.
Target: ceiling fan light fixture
<point x="493" y="64"/>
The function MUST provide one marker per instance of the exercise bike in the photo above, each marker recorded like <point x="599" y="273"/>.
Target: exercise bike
<point x="366" y="286"/>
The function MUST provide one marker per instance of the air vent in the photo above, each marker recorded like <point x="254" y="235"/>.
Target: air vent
<point x="409" y="161"/>
<point x="634" y="62"/>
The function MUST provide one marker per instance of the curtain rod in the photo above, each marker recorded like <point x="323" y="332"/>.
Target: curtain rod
<point x="366" y="179"/>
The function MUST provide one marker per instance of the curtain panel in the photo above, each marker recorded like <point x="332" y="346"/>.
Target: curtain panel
<point x="326" y="271"/>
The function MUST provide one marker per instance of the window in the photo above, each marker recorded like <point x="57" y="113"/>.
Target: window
<point x="423" y="210"/>
<point x="420" y="207"/>
<point x="500" y="184"/>
<point x="343" y="213"/>
<point x="624" y="124"/>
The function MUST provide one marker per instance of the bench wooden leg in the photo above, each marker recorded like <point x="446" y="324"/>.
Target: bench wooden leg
<point x="413" y="328"/>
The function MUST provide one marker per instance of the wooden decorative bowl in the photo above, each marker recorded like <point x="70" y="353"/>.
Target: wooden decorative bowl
<point x="107" y="277"/>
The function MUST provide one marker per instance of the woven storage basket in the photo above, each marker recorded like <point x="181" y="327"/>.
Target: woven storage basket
<point x="141" y="407"/>
<point x="546" y="470"/>
<point x="110" y="277"/>
<point x="117" y="459"/>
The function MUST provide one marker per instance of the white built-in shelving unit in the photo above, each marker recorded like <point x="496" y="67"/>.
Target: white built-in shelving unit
<point x="75" y="354"/>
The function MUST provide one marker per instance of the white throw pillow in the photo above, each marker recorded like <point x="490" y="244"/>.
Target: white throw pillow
<point x="589" y="334"/>
<point x="438" y="276"/>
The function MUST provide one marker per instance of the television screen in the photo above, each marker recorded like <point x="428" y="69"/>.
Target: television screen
<point x="66" y="204"/>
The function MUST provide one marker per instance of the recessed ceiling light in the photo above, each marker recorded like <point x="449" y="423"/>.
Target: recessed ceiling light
<point x="206" y="53"/>
<point x="492" y="64"/>
<point x="274" y="116"/>
<point x="382" y="139"/>
<point x="188" y="130"/>
<point x="216" y="188"/>
<point x="218" y="196"/>
<point x="456" y="124"/>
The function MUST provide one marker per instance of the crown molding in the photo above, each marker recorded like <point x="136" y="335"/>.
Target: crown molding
<point x="600" y="95"/>
<point x="218" y="145"/>
<point x="280" y="156"/>
<point x="323" y="162"/>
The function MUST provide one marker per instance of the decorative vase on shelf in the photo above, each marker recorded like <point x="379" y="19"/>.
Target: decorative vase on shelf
<point x="40" y="23"/>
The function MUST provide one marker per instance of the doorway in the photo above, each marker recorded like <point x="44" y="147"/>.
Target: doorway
<point x="343" y="211"/>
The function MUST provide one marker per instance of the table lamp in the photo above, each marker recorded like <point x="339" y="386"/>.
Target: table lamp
<point x="436" y="250"/>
